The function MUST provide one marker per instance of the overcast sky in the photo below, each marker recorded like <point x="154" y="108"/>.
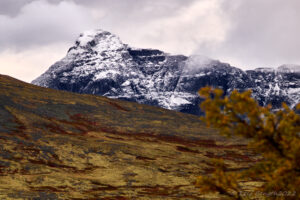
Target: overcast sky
<point x="245" y="33"/>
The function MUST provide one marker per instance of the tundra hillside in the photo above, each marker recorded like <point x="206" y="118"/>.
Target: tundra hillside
<point x="63" y="145"/>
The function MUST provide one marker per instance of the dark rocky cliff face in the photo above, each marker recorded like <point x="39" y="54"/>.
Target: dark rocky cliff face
<point x="99" y="63"/>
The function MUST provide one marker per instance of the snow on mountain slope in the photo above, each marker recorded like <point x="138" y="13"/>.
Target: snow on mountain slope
<point x="99" y="63"/>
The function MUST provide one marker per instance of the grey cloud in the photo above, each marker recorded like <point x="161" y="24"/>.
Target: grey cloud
<point x="262" y="34"/>
<point x="133" y="13"/>
<point x="249" y="33"/>
<point x="13" y="7"/>
<point x="28" y="23"/>
<point x="40" y="23"/>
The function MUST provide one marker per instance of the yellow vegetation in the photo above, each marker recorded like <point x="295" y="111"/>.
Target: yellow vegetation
<point x="274" y="135"/>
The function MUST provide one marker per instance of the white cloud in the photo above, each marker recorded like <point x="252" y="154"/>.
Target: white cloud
<point x="183" y="30"/>
<point x="40" y="35"/>
<point x="43" y="23"/>
<point x="262" y="33"/>
<point x="28" y="64"/>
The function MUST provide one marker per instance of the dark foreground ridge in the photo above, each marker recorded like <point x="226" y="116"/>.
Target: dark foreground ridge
<point x="62" y="145"/>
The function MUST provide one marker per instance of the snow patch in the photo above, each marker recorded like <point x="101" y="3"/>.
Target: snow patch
<point x="264" y="69"/>
<point x="105" y="74"/>
<point x="88" y="36"/>
<point x="103" y="40"/>
<point x="126" y="83"/>
<point x="175" y="101"/>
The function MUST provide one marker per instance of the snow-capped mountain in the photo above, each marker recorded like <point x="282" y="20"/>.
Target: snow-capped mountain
<point x="99" y="63"/>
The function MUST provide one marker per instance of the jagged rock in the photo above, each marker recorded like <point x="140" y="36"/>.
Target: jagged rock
<point x="99" y="63"/>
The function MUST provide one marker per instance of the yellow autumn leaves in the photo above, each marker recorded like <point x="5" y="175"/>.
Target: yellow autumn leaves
<point x="274" y="135"/>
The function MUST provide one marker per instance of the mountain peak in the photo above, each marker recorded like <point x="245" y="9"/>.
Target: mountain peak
<point x="97" y="40"/>
<point x="99" y="63"/>
<point x="90" y="35"/>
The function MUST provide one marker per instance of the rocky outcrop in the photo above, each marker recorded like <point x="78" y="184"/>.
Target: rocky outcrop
<point x="99" y="63"/>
